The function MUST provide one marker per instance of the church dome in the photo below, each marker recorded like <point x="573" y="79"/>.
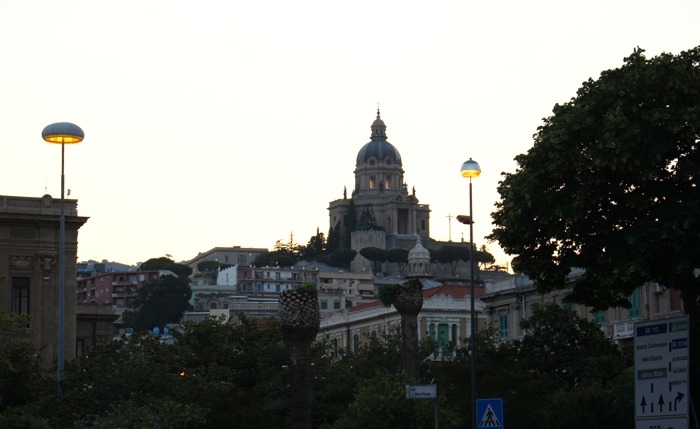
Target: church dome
<point x="419" y="260"/>
<point x="378" y="148"/>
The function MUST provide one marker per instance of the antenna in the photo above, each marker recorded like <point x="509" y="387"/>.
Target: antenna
<point x="449" y="220"/>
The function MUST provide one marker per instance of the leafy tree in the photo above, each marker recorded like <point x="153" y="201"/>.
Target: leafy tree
<point x="20" y="364"/>
<point x="398" y="256"/>
<point x="342" y="258"/>
<point x="484" y="257"/>
<point x="164" y="263"/>
<point x="564" y="345"/>
<point x="159" y="302"/>
<point x="315" y="247"/>
<point x="374" y="255"/>
<point x="451" y="255"/>
<point x="610" y="186"/>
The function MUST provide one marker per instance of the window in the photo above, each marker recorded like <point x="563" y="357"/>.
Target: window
<point x="600" y="317"/>
<point x="503" y="324"/>
<point x="356" y="344"/>
<point x="324" y="305"/>
<point x="422" y="224"/>
<point x="388" y="181"/>
<point x="277" y="288"/>
<point x="431" y="331"/>
<point x="277" y="276"/>
<point x="241" y="259"/>
<point x="372" y="181"/>
<point x="244" y="286"/>
<point x="79" y="347"/>
<point x="567" y="306"/>
<point x="226" y="258"/>
<point x="259" y="287"/>
<point x="443" y="339"/>
<point x="373" y="334"/>
<point x="336" y="305"/>
<point x="454" y="335"/>
<point x="212" y="306"/>
<point x="634" y="300"/>
<point x="20" y="295"/>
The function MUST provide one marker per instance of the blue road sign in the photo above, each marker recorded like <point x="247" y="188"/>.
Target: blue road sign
<point x="489" y="413"/>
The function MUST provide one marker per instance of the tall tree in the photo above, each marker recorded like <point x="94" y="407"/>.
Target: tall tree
<point x="398" y="256"/>
<point x="342" y="258"/>
<point x="451" y="255"/>
<point x="158" y="302"/>
<point x="374" y="255"/>
<point x="350" y="223"/>
<point x="611" y="185"/>
<point x="333" y="238"/>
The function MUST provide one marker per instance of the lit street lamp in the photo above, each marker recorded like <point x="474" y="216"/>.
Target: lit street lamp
<point x="471" y="169"/>
<point x="62" y="133"/>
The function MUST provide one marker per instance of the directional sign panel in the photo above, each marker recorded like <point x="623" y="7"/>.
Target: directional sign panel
<point x="663" y="423"/>
<point x="661" y="361"/>
<point x="489" y="413"/>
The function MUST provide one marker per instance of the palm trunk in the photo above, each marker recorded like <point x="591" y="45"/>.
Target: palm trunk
<point x="409" y="302"/>
<point x="299" y="320"/>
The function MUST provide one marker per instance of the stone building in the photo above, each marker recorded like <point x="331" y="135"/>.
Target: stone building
<point x="29" y="245"/>
<point x="379" y="185"/>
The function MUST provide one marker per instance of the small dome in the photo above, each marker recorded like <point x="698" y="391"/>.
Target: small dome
<point x="419" y="260"/>
<point x="418" y="252"/>
<point x="378" y="148"/>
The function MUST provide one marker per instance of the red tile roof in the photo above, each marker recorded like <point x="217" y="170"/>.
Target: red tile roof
<point x="455" y="291"/>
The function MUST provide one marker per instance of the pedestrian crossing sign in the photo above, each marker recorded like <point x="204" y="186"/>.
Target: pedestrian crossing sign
<point x="489" y="413"/>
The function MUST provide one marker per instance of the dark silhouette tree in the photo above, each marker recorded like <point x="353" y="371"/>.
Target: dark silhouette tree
<point x="611" y="186"/>
<point x="164" y="263"/>
<point x="158" y="302"/>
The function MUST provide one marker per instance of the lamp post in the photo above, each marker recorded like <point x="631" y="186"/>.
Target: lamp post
<point x="471" y="169"/>
<point x="62" y="133"/>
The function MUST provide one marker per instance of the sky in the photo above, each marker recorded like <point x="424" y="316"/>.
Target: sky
<point x="223" y="123"/>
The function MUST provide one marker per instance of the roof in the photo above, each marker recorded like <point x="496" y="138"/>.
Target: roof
<point x="455" y="291"/>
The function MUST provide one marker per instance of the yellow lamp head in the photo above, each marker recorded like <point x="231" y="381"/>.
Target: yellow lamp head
<point x="63" y="133"/>
<point x="470" y="169"/>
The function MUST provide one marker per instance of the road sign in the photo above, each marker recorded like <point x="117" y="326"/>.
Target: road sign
<point x="489" y="413"/>
<point x="661" y="360"/>
<point x="425" y="391"/>
<point x="663" y="423"/>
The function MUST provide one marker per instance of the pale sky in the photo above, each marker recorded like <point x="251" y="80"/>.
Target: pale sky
<point x="236" y="122"/>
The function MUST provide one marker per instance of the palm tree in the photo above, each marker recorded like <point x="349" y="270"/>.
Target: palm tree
<point x="299" y="320"/>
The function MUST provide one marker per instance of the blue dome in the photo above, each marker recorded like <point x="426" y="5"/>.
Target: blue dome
<point x="378" y="148"/>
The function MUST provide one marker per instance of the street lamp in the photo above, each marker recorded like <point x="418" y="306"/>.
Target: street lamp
<point x="471" y="169"/>
<point x="62" y="133"/>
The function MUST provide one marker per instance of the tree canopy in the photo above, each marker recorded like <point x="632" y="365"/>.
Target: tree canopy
<point x="610" y="186"/>
<point x="159" y="302"/>
<point x="164" y="263"/>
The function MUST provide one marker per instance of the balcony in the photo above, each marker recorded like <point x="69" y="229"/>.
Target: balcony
<point x="125" y="283"/>
<point x="608" y="329"/>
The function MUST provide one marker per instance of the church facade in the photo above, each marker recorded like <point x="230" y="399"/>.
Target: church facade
<point x="381" y="197"/>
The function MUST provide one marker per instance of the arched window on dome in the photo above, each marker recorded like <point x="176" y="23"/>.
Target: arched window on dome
<point x="372" y="181"/>
<point x="413" y="270"/>
<point x="420" y="268"/>
<point x="388" y="181"/>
